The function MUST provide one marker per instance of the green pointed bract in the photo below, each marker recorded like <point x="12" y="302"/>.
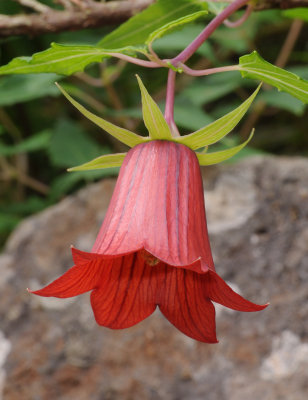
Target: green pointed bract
<point x="219" y="156"/>
<point x="123" y="135"/>
<point x="215" y="131"/>
<point x="106" y="161"/>
<point x="153" y="117"/>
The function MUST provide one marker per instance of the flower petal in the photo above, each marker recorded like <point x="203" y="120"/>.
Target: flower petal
<point x="218" y="291"/>
<point x="184" y="303"/>
<point x="126" y="294"/>
<point x="158" y="205"/>
<point x="77" y="280"/>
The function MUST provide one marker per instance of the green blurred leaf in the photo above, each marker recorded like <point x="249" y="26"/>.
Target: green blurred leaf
<point x="136" y="31"/>
<point x="220" y="156"/>
<point x="211" y="88"/>
<point x="20" y="88"/>
<point x="217" y="8"/>
<point x="178" y="40"/>
<point x="123" y="135"/>
<point x="105" y="161"/>
<point x="8" y="222"/>
<point x="190" y="117"/>
<point x="65" y="183"/>
<point x="152" y="116"/>
<point x="218" y="129"/>
<point x="69" y="145"/>
<point x="297" y="13"/>
<point x="284" y="101"/>
<point x="36" y="142"/>
<point x="253" y="66"/>
<point x="171" y="26"/>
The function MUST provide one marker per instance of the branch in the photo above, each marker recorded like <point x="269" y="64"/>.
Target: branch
<point x="79" y="14"/>
<point x="92" y="14"/>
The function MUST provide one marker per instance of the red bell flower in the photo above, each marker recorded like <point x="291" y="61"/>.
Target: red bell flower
<point x="153" y="248"/>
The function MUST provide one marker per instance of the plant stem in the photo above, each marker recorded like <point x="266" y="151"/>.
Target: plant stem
<point x="208" y="71"/>
<point x="218" y="20"/>
<point x="169" y="110"/>
<point x="240" y="21"/>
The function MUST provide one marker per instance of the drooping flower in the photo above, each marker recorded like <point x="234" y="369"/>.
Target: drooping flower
<point x="153" y="247"/>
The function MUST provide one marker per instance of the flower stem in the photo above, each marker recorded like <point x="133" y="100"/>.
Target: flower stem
<point x="209" y="71"/>
<point x="169" y="110"/>
<point x="240" y="21"/>
<point x="218" y="20"/>
<point x="137" y="61"/>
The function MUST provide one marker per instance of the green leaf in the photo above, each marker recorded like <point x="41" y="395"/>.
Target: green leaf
<point x="284" y="101"/>
<point x="65" y="183"/>
<point x="125" y="136"/>
<point x="178" y="23"/>
<point x="190" y="117"/>
<point x="20" y="88"/>
<point x="36" y="142"/>
<point x="136" y="31"/>
<point x="211" y="88"/>
<point x="297" y="13"/>
<point x="153" y="117"/>
<point x="178" y="40"/>
<point x="61" y="59"/>
<point x="219" y="156"/>
<point x="217" y="8"/>
<point x="129" y="38"/>
<point x="253" y="66"/>
<point x="105" y="161"/>
<point x="70" y="145"/>
<point x="217" y="129"/>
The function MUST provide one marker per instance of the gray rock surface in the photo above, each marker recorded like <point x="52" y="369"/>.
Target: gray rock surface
<point x="51" y="349"/>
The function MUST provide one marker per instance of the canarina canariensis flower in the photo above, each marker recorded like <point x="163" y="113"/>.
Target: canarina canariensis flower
<point x="153" y="248"/>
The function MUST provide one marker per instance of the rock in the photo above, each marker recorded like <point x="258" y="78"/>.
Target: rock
<point x="258" y="221"/>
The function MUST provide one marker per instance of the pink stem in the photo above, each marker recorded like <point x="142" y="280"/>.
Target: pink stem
<point x="218" y="20"/>
<point x="209" y="71"/>
<point x="169" y="110"/>
<point x="240" y="21"/>
<point x="143" y="63"/>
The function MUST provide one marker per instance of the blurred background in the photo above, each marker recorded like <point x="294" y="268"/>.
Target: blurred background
<point x="257" y="212"/>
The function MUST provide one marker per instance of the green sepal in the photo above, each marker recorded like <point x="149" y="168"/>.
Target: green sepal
<point x="153" y="117"/>
<point x="219" y="156"/>
<point x="123" y="135"/>
<point x="215" y="131"/>
<point x="106" y="161"/>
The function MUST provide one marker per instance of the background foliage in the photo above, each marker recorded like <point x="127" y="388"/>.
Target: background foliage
<point x="41" y="134"/>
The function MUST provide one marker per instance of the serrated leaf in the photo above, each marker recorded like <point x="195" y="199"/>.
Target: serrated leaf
<point x="123" y="135"/>
<point x="153" y="117"/>
<point x="220" y="156"/>
<point x="178" y="23"/>
<point x="36" y="142"/>
<point x="105" y="161"/>
<point x="217" y="129"/>
<point x="255" y="67"/>
<point x="20" y="88"/>
<point x="136" y="31"/>
<point x="61" y="59"/>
